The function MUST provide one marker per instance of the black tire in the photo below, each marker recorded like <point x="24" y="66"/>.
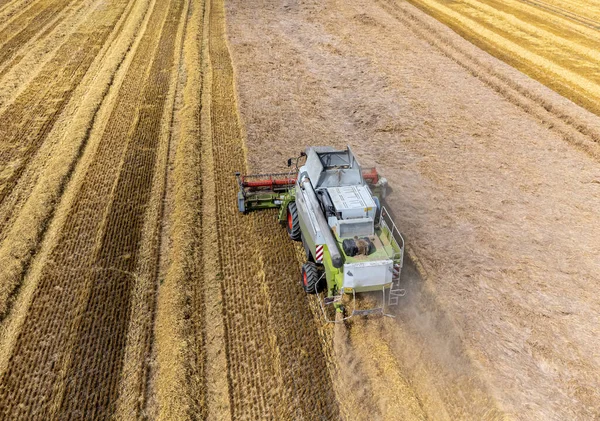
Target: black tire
<point x="309" y="278"/>
<point x="309" y="256"/>
<point x="293" y="223"/>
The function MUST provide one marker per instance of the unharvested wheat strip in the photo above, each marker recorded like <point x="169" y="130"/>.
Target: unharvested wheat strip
<point x="179" y="379"/>
<point x="95" y="107"/>
<point x="9" y="208"/>
<point x="132" y="389"/>
<point x="69" y="134"/>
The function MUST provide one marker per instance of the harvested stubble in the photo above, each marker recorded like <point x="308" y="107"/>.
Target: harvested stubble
<point x="555" y="44"/>
<point x="475" y="152"/>
<point x="113" y="201"/>
<point x="41" y="17"/>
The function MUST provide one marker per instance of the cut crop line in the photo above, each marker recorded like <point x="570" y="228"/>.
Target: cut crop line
<point x="122" y="232"/>
<point x="21" y="33"/>
<point x="133" y="385"/>
<point x="13" y="10"/>
<point x="570" y="127"/>
<point x="61" y="175"/>
<point x="586" y="86"/>
<point x="84" y="216"/>
<point x="499" y="19"/>
<point x="15" y="50"/>
<point x="590" y="23"/>
<point x="33" y="114"/>
<point x="31" y="18"/>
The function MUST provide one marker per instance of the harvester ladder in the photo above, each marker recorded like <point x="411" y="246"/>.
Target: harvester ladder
<point x="395" y="292"/>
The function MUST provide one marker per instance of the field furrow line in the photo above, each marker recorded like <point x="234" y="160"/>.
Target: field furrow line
<point x="47" y="39"/>
<point x="3" y="3"/>
<point x="570" y="127"/>
<point x="106" y="19"/>
<point x="252" y="374"/>
<point x="32" y="115"/>
<point x="88" y="339"/>
<point x="16" y="36"/>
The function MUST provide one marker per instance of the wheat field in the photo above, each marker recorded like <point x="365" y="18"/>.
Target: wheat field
<point x="132" y="288"/>
<point x="551" y="41"/>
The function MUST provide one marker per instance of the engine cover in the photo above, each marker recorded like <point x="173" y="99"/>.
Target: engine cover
<point x="352" y="202"/>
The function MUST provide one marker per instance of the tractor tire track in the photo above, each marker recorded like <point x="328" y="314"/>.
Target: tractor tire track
<point x="50" y="35"/>
<point x="569" y="126"/>
<point x="20" y="31"/>
<point x="274" y="372"/>
<point x="87" y="339"/>
<point x="33" y="113"/>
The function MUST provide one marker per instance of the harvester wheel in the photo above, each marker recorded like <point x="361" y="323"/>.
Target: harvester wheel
<point x="293" y="224"/>
<point x="310" y="278"/>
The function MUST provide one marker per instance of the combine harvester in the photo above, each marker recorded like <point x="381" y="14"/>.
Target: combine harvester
<point x="334" y="207"/>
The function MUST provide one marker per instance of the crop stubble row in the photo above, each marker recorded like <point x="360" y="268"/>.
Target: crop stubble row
<point x="275" y="362"/>
<point x="570" y="126"/>
<point x="69" y="354"/>
<point x="33" y="113"/>
<point x="531" y="35"/>
<point x="81" y="309"/>
<point x="41" y="17"/>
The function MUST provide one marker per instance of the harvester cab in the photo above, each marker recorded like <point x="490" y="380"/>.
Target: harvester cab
<point x="334" y="207"/>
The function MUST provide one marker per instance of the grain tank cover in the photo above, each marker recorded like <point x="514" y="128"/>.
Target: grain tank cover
<point x="327" y="167"/>
<point x="352" y="202"/>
